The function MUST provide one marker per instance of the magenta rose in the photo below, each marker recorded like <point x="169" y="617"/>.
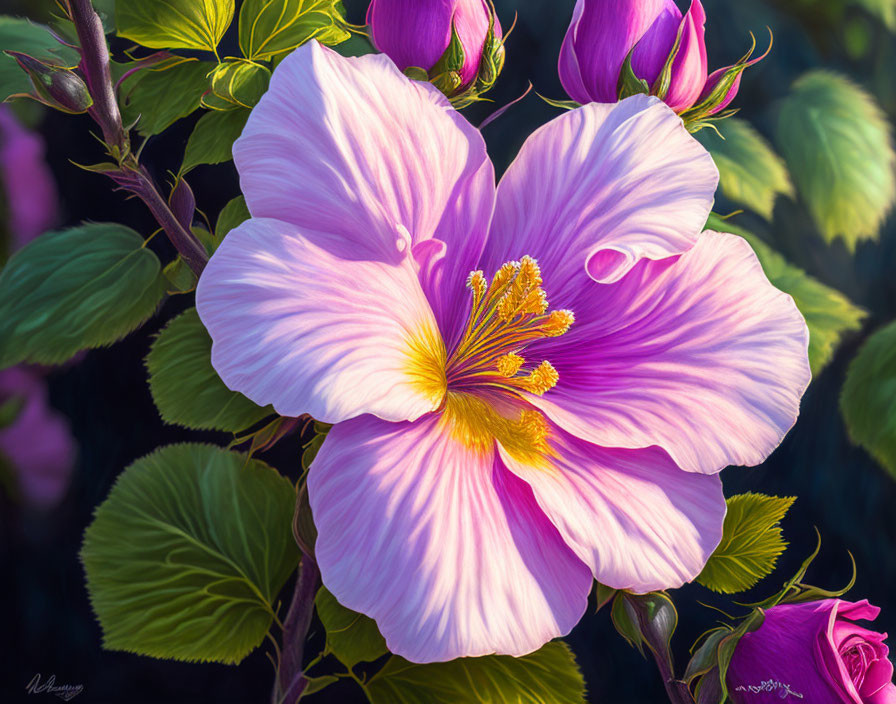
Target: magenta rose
<point x="814" y="652"/>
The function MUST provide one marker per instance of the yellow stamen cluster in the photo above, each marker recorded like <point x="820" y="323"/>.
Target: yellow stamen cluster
<point x="507" y="314"/>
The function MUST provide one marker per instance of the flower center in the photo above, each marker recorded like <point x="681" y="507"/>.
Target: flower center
<point x="507" y="315"/>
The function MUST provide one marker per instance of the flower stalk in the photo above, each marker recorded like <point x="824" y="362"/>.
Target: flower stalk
<point x="291" y="681"/>
<point x="128" y="173"/>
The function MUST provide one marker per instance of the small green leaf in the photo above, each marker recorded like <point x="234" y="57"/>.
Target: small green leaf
<point x="234" y="213"/>
<point x="213" y="137"/>
<point x="706" y="657"/>
<point x="868" y="401"/>
<point x="75" y="289"/>
<point x="186" y="556"/>
<point x="751" y="543"/>
<point x="186" y="388"/>
<point x="359" y="45"/>
<point x="837" y="143"/>
<point x="602" y="595"/>
<point x="271" y="27"/>
<point x="156" y="97"/>
<point x="751" y="173"/>
<point x="17" y="34"/>
<point x="624" y="624"/>
<point x="174" y="24"/>
<point x="352" y="637"/>
<point x="180" y="276"/>
<point x="547" y="676"/>
<point x="629" y="84"/>
<point x="316" y="684"/>
<point x="829" y="314"/>
<point x="240" y="83"/>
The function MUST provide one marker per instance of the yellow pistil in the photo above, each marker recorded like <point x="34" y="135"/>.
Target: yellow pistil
<point x="507" y="315"/>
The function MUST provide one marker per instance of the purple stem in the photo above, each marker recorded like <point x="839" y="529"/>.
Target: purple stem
<point x="291" y="681"/>
<point x="130" y="175"/>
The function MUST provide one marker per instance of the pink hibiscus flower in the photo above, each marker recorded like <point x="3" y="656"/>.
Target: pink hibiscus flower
<point x="505" y="436"/>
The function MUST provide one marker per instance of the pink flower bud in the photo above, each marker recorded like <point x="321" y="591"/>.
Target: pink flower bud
<point x="418" y="32"/>
<point x="815" y="653"/>
<point x="667" y="51"/>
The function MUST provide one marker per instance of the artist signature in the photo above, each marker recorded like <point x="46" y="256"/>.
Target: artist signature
<point x="63" y="691"/>
<point x="783" y="690"/>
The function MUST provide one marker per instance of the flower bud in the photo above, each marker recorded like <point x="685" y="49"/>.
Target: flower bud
<point x="614" y="49"/>
<point x="54" y="86"/>
<point x="456" y="44"/>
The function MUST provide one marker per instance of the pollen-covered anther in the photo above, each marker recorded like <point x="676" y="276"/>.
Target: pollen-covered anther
<point x="509" y="364"/>
<point x="477" y="283"/>
<point x="541" y="379"/>
<point x="558" y="323"/>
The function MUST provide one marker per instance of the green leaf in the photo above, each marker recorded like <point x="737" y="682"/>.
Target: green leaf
<point x="240" y="83"/>
<point x="751" y="543"/>
<point x="751" y="173"/>
<point x="883" y="9"/>
<point x="174" y="24"/>
<point x="547" y="676"/>
<point x="352" y="637"/>
<point x="180" y="276"/>
<point x="17" y="34"/>
<point x="829" y="314"/>
<point x="234" y="213"/>
<point x="868" y="401"/>
<point x="74" y="289"/>
<point x="186" y="556"/>
<point x="213" y="137"/>
<point x="186" y="388"/>
<point x="838" y="146"/>
<point x="359" y="45"/>
<point x="629" y="84"/>
<point x="271" y="27"/>
<point x="162" y="94"/>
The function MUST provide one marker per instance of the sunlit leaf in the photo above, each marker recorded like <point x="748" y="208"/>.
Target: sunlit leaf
<point x="174" y="24"/>
<point x="352" y="637"/>
<point x="240" y="83"/>
<point x="751" y="173"/>
<point x="85" y="287"/>
<point x="547" y="676"/>
<point x="837" y="143"/>
<point x="883" y="9"/>
<point x="155" y="97"/>
<point x="17" y="34"/>
<point x="213" y="137"/>
<point x="868" y="401"/>
<point x="186" y="556"/>
<point x="751" y="543"/>
<point x="184" y="385"/>
<point x="271" y="27"/>
<point x="829" y="314"/>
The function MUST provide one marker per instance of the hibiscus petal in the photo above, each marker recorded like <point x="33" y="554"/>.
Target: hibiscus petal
<point x="308" y="332"/>
<point x="599" y="188"/>
<point x="636" y="519"/>
<point x="439" y="543"/>
<point x="367" y="162"/>
<point x="700" y="355"/>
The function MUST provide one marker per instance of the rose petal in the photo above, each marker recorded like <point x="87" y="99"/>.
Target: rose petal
<point x="439" y="543"/>
<point x="598" y="189"/>
<point x="690" y="65"/>
<point x="299" y="328"/>
<point x="636" y="519"/>
<point x="411" y="32"/>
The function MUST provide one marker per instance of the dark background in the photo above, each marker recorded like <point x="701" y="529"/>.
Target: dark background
<point x="46" y="623"/>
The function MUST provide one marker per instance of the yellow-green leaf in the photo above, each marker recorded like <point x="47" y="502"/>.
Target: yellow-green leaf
<point x="751" y="543"/>
<point x="174" y="24"/>
<point x="750" y="172"/>
<point x="240" y="83"/>
<point x="186" y="556"/>
<point x="156" y="97"/>
<point x="271" y="27"/>
<point x="868" y="401"/>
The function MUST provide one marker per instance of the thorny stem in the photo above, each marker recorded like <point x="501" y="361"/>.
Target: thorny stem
<point x="129" y="175"/>
<point x="291" y="680"/>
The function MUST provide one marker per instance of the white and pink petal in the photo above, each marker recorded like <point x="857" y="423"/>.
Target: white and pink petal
<point x="439" y="543"/>
<point x="304" y="330"/>
<point x="698" y="354"/>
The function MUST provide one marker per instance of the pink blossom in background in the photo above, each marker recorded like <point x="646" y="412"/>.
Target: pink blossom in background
<point x="532" y="386"/>
<point x="30" y="191"/>
<point x="38" y="444"/>
<point x="818" y="652"/>
<point x="603" y="33"/>
<point x="417" y="32"/>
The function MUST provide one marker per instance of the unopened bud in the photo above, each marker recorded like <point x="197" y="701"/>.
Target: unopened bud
<point x="54" y="86"/>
